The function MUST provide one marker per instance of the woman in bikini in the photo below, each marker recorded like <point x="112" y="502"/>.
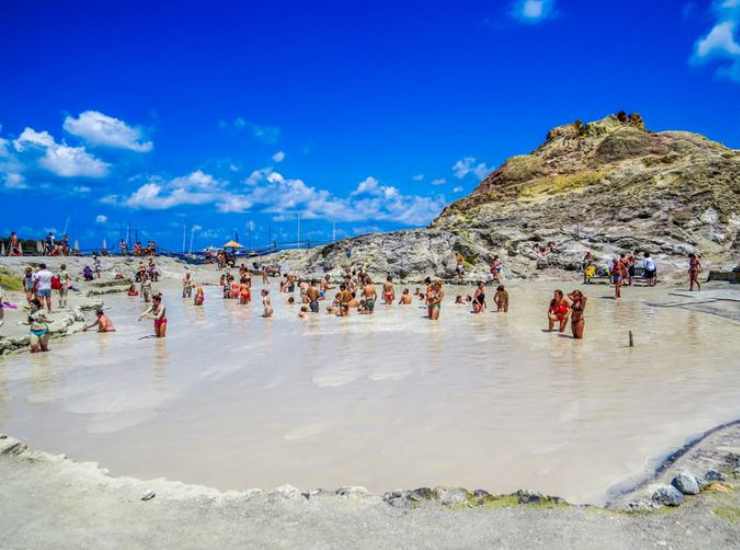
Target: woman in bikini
<point x="389" y="294"/>
<point x="577" y="322"/>
<point x="694" y="270"/>
<point x="39" y="327"/>
<point x="157" y="312"/>
<point x="479" y="298"/>
<point x="558" y="312"/>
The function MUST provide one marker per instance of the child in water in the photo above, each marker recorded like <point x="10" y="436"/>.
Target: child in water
<point x="132" y="290"/>
<point x="405" y="297"/>
<point x="303" y="314"/>
<point x="266" y="304"/>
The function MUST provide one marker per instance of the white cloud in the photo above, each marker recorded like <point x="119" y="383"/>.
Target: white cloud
<point x="469" y="165"/>
<point x="81" y="189"/>
<point x="418" y="177"/>
<point x="266" y="134"/>
<point x="61" y="159"/>
<point x="4" y="147"/>
<point x="13" y="180"/>
<point x="99" y="129"/>
<point x="533" y="11"/>
<point x="439" y="181"/>
<point x="100" y="218"/>
<point x="720" y="43"/>
<point x="279" y="156"/>
<point x="457" y="189"/>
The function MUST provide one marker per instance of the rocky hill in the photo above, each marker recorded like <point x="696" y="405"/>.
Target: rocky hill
<point x="606" y="186"/>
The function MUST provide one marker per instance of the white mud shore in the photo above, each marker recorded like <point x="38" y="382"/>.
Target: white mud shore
<point x="49" y="501"/>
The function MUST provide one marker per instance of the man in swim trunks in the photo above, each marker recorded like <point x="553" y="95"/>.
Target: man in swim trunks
<point x="619" y="274"/>
<point x="102" y="322"/>
<point x="370" y="295"/>
<point x="651" y="271"/>
<point x="187" y="285"/>
<point x="313" y="294"/>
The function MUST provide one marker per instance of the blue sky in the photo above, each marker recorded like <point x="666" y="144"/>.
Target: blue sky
<point x="246" y="116"/>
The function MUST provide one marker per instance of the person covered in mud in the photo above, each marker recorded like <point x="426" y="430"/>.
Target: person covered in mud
<point x="158" y="313"/>
<point x="435" y="295"/>
<point x="200" y="296"/>
<point x="501" y="299"/>
<point x="145" y="287"/>
<point x="313" y="295"/>
<point x="187" y="285"/>
<point x="479" y="298"/>
<point x="345" y="298"/>
<point x="369" y="295"/>
<point x="101" y="321"/>
<point x="558" y="312"/>
<point x="267" y="310"/>
<point x="132" y="290"/>
<point x="694" y="270"/>
<point x="389" y="292"/>
<point x="406" y="298"/>
<point x="577" y="306"/>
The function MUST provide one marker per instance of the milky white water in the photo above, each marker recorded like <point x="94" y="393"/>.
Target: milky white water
<point x="235" y="401"/>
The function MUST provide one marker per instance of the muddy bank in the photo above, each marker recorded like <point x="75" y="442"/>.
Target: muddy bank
<point x="51" y="501"/>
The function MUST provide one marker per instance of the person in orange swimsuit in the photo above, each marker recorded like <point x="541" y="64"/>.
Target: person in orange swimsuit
<point x="558" y="312"/>
<point x="200" y="296"/>
<point x="245" y="294"/>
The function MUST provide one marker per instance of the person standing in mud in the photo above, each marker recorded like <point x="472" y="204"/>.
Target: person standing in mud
<point x="501" y="298"/>
<point x="389" y="293"/>
<point x="694" y="270"/>
<point x="577" y="306"/>
<point x="479" y="298"/>
<point x="619" y="273"/>
<point x="313" y="295"/>
<point x="158" y="313"/>
<point x="369" y="295"/>
<point x="435" y="296"/>
<point x="187" y="285"/>
<point x="558" y="312"/>
<point x="145" y="287"/>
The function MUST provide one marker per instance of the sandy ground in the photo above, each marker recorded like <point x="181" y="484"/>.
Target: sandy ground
<point x="51" y="502"/>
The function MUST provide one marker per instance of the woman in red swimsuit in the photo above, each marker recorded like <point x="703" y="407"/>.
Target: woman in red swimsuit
<point x="157" y="312"/>
<point x="558" y="312"/>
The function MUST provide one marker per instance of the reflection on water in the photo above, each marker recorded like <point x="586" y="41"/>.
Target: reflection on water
<point x="233" y="400"/>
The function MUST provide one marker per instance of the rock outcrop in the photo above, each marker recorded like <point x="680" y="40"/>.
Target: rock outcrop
<point x="606" y="186"/>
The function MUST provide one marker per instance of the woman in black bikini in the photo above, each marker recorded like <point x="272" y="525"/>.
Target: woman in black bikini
<point x="479" y="298"/>
<point x="577" y="322"/>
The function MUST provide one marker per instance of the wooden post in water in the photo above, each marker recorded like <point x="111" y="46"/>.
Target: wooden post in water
<point x="632" y="341"/>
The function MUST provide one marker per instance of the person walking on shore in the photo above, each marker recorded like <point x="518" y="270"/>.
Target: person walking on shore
<point x="497" y="268"/>
<point x="619" y="273"/>
<point x="651" y="270"/>
<point x="42" y="285"/>
<point x="694" y="270"/>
